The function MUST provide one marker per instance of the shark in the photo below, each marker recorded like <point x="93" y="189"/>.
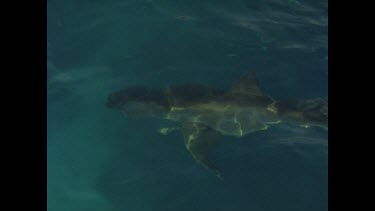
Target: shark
<point x="203" y="114"/>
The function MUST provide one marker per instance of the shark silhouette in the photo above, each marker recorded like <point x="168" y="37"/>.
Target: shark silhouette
<point x="205" y="113"/>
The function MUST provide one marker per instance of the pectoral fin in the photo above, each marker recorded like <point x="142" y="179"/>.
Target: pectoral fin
<point x="198" y="140"/>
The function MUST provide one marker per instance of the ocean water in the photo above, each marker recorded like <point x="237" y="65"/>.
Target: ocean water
<point x="100" y="161"/>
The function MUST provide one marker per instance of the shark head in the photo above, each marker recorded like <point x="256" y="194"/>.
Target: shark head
<point x="138" y="101"/>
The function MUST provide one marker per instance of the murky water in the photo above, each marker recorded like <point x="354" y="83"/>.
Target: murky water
<point x="99" y="160"/>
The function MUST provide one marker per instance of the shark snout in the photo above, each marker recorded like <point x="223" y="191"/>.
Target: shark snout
<point x="114" y="101"/>
<point x="120" y="98"/>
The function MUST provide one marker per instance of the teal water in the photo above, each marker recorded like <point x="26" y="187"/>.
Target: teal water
<point x="99" y="160"/>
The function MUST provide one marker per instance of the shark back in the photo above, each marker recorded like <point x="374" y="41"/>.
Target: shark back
<point x="238" y="111"/>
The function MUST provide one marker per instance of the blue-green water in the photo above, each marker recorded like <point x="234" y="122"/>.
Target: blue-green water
<point x="99" y="160"/>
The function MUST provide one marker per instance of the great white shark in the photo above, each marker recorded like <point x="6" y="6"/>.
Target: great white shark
<point x="205" y="113"/>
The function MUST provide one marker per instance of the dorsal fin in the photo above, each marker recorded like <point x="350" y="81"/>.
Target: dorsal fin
<point x="247" y="84"/>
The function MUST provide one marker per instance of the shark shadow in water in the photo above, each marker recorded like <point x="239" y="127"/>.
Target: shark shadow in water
<point x="205" y="113"/>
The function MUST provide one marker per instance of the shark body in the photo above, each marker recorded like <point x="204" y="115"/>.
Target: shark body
<point x="205" y="113"/>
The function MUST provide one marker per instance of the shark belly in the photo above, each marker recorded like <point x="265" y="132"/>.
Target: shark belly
<point x="229" y="120"/>
<point x="243" y="121"/>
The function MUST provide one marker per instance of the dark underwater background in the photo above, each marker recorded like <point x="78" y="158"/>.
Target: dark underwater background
<point x="100" y="161"/>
